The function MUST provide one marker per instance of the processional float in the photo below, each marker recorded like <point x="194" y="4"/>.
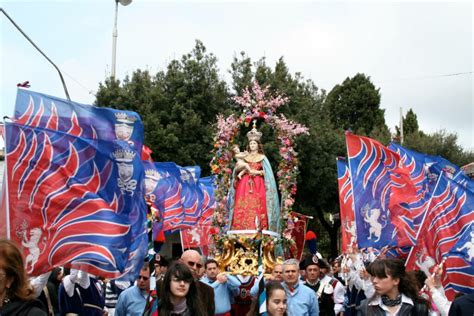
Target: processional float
<point x="255" y="222"/>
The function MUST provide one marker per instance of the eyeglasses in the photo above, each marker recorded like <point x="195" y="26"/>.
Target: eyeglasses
<point x="145" y="278"/>
<point x="194" y="264"/>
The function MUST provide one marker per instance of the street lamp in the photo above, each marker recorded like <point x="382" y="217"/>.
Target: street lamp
<point x="114" y="35"/>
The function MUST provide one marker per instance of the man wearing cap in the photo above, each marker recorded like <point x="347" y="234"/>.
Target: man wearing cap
<point x="329" y="290"/>
<point x="301" y="300"/>
<point x="160" y="265"/>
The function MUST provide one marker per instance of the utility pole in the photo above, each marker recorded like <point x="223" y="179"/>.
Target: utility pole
<point x="401" y="126"/>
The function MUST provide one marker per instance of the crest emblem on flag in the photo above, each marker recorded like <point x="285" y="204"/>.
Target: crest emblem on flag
<point x="124" y="125"/>
<point x="124" y="160"/>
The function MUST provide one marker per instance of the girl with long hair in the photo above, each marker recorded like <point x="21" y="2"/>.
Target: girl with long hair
<point x="276" y="301"/>
<point x="395" y="291"/>
<point x="180" y="295"/>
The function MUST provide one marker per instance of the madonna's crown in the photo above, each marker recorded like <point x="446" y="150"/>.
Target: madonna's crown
<point x="254" y="134"/>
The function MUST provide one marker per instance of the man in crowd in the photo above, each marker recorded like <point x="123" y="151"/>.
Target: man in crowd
<point x="132" y="301"/>
<point x="80" y="294"/>
<point x="277" y="272"/>
<point x="329" y="290"/>
<point x="223" y="285"/>
<point x="337" y="272"/>
<point x="276" y="275"/>
<point x="160" y="265"/>
<point x="113" y="289"/>
<point x="193" y="260"/>
<point x="301" y="299"/>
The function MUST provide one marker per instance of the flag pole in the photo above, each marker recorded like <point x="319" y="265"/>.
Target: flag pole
<point x="401" y="126"/>
<point x="7" y="202"/>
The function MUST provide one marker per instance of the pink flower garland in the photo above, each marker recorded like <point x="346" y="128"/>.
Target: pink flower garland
<point x="256" y="103"/>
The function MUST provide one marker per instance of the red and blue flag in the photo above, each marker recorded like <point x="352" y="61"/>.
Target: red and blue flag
<point x="346" y="206"/>
<point x="72" y="175"/>
<point x="380" y="184"/>
<point x="447" y="235"/>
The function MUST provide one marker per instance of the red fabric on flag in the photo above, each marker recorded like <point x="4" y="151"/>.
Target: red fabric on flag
<point x="197" y="237"/>
<point x="378" y="162"/>
<point x="448" y="216"/>
<point x="201" y="235"/>
<point x="146" y="153"/>
<point x="346" y="207"/>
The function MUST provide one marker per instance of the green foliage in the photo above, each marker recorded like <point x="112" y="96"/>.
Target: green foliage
<point x="317" y="182"/>
<point x="178" y="106"/>
<point x="355" y="105"/>
<point x="440" y="143"/>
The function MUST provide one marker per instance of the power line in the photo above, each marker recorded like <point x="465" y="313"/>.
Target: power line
<point x="39" y="50"/>
<point x="90" y="91"/>
<point x="430" y="76"/>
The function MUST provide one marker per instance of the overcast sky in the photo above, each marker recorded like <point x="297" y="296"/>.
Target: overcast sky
<point x="411" y="51"/>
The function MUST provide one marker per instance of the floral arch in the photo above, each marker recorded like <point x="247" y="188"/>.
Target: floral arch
<point x="256" y="104"/>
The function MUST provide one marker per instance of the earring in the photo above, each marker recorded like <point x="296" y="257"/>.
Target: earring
<point x="6" y="300"/>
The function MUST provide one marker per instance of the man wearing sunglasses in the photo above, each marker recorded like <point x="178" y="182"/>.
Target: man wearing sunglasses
<point x="132" y="301"/>
<point x="193" y="260"/>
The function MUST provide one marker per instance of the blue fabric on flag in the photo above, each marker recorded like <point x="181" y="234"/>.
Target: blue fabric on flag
<point x="380" y="188"/>
<point x="38" y="109"/>
<point x="191" y="195"/>
<point x="67" y="190"/>
<point x="98" y="137"/>
<point x="208" y="204"/>
<point x="169" y="203"/>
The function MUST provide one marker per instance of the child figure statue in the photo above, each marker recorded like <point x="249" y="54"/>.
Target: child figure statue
<point x="241" y="167"/>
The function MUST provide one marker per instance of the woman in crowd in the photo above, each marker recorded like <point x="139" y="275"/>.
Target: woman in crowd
<point x="276" y="300"/>
<point x="395" y="291"/>
<point x="16" y="294"/>
<point x="180" y="295"/>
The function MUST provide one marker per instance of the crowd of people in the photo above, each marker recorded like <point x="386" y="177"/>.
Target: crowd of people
<point x="356" y="284"/>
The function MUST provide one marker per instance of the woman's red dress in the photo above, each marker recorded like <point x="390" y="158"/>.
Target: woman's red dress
<point x="250" y="201"/>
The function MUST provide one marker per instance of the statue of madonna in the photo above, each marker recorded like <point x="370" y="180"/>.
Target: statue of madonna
<point x="253" y="197"/>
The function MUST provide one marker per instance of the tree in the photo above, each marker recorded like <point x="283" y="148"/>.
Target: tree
<point x="355" y="105"/>
<point x="440" y="143"/>
<point x="178" y="106"/>
<point x="317" y="182"/>
<point x="410" y="125"/>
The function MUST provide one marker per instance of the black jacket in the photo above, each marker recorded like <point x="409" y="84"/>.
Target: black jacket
<point x="418" y="309"/>
<point x="21" y="308"/>
<point x="462" y="306"/>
